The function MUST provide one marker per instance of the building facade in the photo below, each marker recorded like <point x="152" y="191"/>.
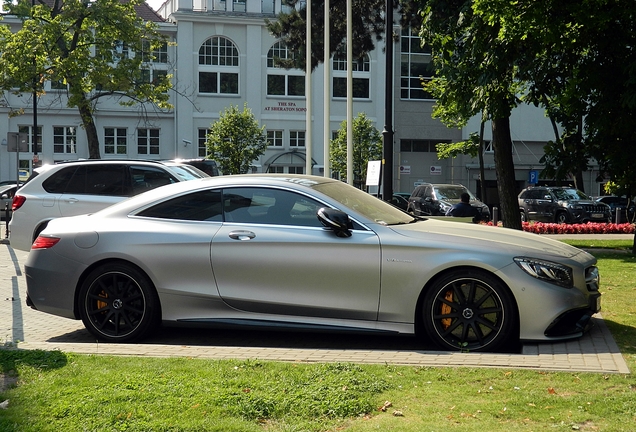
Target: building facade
<point x="221" y="54"/>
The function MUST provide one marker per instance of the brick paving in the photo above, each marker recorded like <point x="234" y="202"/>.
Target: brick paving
<point x="24" y="328"/>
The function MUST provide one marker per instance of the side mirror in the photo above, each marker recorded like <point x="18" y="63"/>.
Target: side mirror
<point x="336" y="220"/>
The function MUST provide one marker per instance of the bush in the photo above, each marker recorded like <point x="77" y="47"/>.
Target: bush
<point x="587" y="228"/>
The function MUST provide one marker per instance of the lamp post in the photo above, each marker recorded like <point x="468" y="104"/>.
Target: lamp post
<point x="35" y="99"/>
<point x="387" y="132"/>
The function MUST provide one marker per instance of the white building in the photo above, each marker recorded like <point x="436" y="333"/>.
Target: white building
<point x="221" y="56"/>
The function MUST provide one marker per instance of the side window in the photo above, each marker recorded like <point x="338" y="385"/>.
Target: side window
<point x="99" y="180"/>
<point x="57" y="183"/>
<point x="269" y="206"/>
<point x="198" y="206"/>
<point x="145" y="178"/>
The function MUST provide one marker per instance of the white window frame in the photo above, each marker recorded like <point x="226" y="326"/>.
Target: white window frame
<point x="117" y="142"/>
<point x="361" y="71"/>
<point x="279" y="50"/>
<point x="64" y="139"/>
<point x="148" y="141"/>
<point x="219" y="56"/>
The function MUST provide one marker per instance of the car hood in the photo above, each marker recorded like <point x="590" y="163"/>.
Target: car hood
<point x="481" y="237"/>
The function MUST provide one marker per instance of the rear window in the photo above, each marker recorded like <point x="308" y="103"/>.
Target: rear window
<point x="107" y="179"/>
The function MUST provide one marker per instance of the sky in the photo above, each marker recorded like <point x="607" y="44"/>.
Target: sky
<point x="155" y="4"/>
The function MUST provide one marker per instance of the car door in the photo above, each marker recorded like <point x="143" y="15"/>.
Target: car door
<point x="282" y="261"/>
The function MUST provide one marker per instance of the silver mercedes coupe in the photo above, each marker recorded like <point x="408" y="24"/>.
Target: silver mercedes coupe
<point x="285" y="251"/>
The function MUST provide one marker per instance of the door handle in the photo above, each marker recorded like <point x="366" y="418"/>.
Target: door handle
<point x="242" y="235"/>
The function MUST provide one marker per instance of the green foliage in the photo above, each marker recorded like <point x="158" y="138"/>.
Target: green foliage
<point x="451" y="150"/>
<point x="236" y="140"/>
<point x="89" y="46"/>
<point x="367" y="146"/>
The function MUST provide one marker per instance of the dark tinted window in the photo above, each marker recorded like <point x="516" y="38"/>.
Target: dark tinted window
<point x="145" y="178"/>
<point x="198" y="206"/>
<point x="99" y="179"/>
<point x="269" y="206"/>
<point x="57" y="182"/>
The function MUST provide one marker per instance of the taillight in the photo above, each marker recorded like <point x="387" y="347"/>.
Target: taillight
<point x="18" y="200"/>
<point x="44" y="242"/>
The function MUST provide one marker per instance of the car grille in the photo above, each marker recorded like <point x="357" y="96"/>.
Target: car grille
<point x="592" y="278"/>
<point x="591" y="208"/>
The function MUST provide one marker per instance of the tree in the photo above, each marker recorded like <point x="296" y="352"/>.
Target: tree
<point x="474" y="60"/>
<point x="367" y="146"/>
<point x="235" y="140"/>
<point x="97" y="48"/>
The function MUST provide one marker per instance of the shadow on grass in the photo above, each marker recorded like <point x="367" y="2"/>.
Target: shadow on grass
<point x="11" y="358"/>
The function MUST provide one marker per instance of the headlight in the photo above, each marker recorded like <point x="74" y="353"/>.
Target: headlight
<point x="546" y="270"/>
<point x="575" y="206"/>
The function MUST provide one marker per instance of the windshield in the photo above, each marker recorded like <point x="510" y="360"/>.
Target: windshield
<point x="452" y="192"/>
<point x="187" y="172"/>
<point x="361" y="202"/>
<point x="570" y="195"/>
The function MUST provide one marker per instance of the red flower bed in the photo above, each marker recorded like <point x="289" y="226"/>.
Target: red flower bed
<point x="588" y="228"/>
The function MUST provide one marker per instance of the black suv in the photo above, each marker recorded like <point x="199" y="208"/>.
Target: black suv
<point x="435" y="199"/>
<point x="561" y="205"/>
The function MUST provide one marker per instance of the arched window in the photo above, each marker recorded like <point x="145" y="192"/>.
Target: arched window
<point x="361" y="69"/>
<point x="218" y="66"/>
<point x="280" y="81"/>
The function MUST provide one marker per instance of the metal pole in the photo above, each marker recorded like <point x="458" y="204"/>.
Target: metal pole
<point x="349" y="93"/>
<point x="387" y="132"/>
<point x="327" y="95"/>
<point x="308" y="128"/>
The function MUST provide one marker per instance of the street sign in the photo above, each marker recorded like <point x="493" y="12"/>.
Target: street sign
<point x="17" y="142"/>
<point x="373" y="173"/>
<point x="533" y="177"/>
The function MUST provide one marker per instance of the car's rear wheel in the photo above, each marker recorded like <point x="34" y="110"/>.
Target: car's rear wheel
<point x="119" y="303"/>
<point x="469" y="310"/>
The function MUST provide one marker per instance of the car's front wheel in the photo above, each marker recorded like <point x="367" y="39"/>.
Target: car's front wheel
<point x="118" y="303"/>
<point x="469" y="310"/>
<point x="524" y="216"/>
<point x="562" y="218"/>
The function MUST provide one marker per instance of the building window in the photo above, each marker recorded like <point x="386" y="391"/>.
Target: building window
<point x="361" y="76"/>
<point x="281" y="81"/>
<point x="218" y="66"/>
<point x="415" y="66"/>
<point x="297" y="138"/>
<point x="115" y="141"/>
<point x="420" y="146"/>
<point x="148" y="141"/>
<point x="157" y="55"/>
<point x="296" y="170"/>
<point x="64" y="139"/>
<point x="275" y="138"/>
<point x="28" y="130"/>
<point x="201" y="140"/>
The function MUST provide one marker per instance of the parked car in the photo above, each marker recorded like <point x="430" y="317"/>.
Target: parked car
<point x="401" y="200"/>
<point x="292" y="251"/>
<point x="436" y="199"/>
<point x="8" y="182"/>
<point x="208" y="166"/>
<point x="6" y="199"/>
<point x="85" y="186"/>
<point x="560" y="205"/>
<point x="625" y="207"/>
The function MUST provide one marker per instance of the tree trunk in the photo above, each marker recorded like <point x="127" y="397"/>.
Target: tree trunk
<point x="505" y="169"/>
<point x="88" y="123"/>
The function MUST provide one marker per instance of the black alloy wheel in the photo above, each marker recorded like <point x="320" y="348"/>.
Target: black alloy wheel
<point x="118" y="303"/>
<point x="469" y="310"/>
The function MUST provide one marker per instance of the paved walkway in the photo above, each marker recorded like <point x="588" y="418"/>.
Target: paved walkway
<point x="24" y="328"/>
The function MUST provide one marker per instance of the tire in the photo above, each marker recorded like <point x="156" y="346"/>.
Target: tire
<point x="561" y="218"/>
<point x="524" y="217"/>
<point x="469" y="310"/>
<point x="119" y="303"/>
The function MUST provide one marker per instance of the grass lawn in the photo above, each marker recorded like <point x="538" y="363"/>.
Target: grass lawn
<point x="59" y="391"/>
